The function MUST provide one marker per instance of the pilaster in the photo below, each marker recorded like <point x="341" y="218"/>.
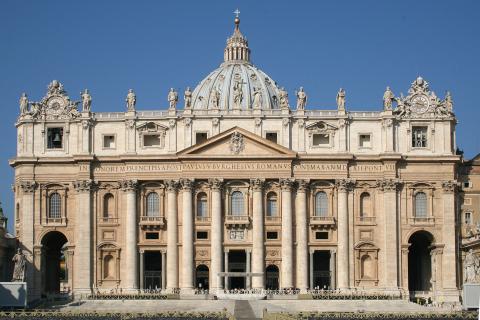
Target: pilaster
<point x="172" y="235"/>
<point x="187" y="236"/>
<point x="258" y="248"/>
<point x="216" y="244"/>
<point x="301" y="235"/>
<point x="287" y="236"/>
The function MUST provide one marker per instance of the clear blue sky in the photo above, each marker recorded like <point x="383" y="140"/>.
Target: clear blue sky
<point x="111" y="46"/>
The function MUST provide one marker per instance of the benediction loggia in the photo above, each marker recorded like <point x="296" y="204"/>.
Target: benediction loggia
<point x="236" y="188"/>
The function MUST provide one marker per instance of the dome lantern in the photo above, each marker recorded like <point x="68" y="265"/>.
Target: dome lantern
<point x="237" y="45"/>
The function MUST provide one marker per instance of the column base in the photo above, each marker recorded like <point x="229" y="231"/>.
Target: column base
<point x="447" y="296"/>
<point x="187" y="291"/>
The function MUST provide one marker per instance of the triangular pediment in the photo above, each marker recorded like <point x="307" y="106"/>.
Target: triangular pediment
<point x="321" y="126"/>
<point x="237" y="143"/>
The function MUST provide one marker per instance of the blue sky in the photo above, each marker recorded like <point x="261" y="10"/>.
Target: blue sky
<point x="110" y="46"/>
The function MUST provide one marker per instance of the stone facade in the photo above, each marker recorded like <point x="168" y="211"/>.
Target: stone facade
<point x="239" y="182"/>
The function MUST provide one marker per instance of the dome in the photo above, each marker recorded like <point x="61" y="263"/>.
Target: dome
<point x="236" y="84"/>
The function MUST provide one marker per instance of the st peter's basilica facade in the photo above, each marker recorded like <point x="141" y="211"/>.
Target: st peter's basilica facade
<point x="234" y="188"/>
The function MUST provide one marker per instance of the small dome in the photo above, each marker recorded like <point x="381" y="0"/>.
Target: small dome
<point x="236" y="84"/>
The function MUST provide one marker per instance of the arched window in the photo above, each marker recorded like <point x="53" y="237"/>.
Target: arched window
<point x="365" y="205"/>
<point x="237" y="204"/>
<point x="202" y="205"/>
<point x="108" y="267"/>
<point x="420" y="205"/>
<point x="108" y="206"/>
<point x="272" y="205"/>
<point x="321" y="204"/>
<point x="153" y="205"/>
<point x="55" y="206"/>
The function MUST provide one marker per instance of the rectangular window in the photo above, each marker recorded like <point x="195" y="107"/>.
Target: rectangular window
<point x="321" y="235"/>
<point x="55" y="138"/>
<point x="271" y="136"/>
<point x="202" y="235"/>
<point x="320" y="139"/>
<point x="272" y="235"/>
<point x="468" y="218"/>
<point x="151" y="140"/>
<point x="364" y="140"/>
<point x="151" y="235"/>
<point x="467" y="184"/>
<point x="109" y="142"/>
<point x="419" y="137"/>
<point x="200" y="137"/>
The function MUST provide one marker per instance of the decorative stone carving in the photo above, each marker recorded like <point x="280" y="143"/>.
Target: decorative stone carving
<point x="387" y="122"/>
<point x="87" y="123"/>
<point x="472" y="267"/>
<point x="215" y="122"/>
<point x="215" y="98"/>
<point x="129" y="185"/>
<point x="28" y="186"/>
<point x="172" y="185"/>
<point x="56" y="105"/>
<point x="86" y="100"/>
<point x="388" y="185"/>
<point x="215" y="184"/>
<point x="388" y="98"/>
<point x="130" y="124"/>
<point x="172" y="123"/>
<point x="237" y="143"/>
<point x="83" y="185"/>
<point x="302" y="185"/>
<point x="258" y="122"/>
<point x="187" y="184"/>
<point x="237" y="234"/>
<point x="23" y="104"/>
<point x="172" y="99"/>
<point x="301" y="99"/>
<point x="286" y="184"/>
<point x="131" y="100"/>
<point x="449" y="186"/>
<point x="301" y="123"/>
<point x="237" y="92"/>
<point x="342" y="123"/>
<point x="345" y="184"/>
<point x="285" y="122"/>
<point x="187" y="122"/>
<point x="422" y="103"/>
<point x="20" y="262"/>
<point x="341" y="99"/>
<point x="283" y="95"/>
<point x="187" y="97"/>
<point x="257" y="184"/>
<point x="257" y="98"/>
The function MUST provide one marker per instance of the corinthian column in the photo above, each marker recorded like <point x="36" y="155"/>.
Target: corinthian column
<point x="83" y="238"/>
<point x="172" y="235"/>
<point x="449" y="258"/>
<point x="302" y="235"/>
<point x="258" y="251"/>
<point x="130" y="274"/>
<point x="187" y="236"/>
<point x="287" y="236"/>
<point x="389" y="187"/>
<point x="343" y="186"/>
<point x="216" y="248"/>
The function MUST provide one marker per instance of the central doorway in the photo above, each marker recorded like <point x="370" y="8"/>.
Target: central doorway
<point x="153" y="270"/>
<point x="55" y="273"/>
<point x="237" y="262"/>
<point x="272" y="275"/>
<point x="419" y="262"/>
<point x="321" y="269"/>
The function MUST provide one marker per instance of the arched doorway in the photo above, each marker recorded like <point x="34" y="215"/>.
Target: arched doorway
<point x="272" y="277"/>
<point x="201" y="277"/>
<point x="419" y="262"/>
<point x="54" y="263"/>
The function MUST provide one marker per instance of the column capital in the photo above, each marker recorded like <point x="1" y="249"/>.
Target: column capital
<point x="345" y="185"/>
<point x="215" y="184"/>
<point x="389" y="185"/>
<point x="449" y="186"/>
<point x="83" y="185"/>
<point x="186" y="184"/>
<point x="172" y="185"/>
<point x="129" y="185"/>
<point x="302" y="185"/>
<point x="286" y="184"/>
<point x="28" y="186"/>
<point x="257" y="184"/>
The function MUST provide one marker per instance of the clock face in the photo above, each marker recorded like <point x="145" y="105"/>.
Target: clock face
<point x="420" y="103"/>
<point x="56" y="105"/>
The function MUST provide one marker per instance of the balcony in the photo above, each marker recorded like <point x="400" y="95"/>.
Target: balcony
<point x="422" y="221"/>
<point x="202" y="220"/>
<point x="273" y="219"/>
<point x="108" y="221"/>
<point x="152" y="222"/>
<point x="367" y="221"/>
<point x="232" y="221"/>
<point x="322" y="222"/>
<point x="56" y="221"/>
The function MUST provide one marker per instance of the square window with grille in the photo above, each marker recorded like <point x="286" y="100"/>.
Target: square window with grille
<point x="271" y="136"/>
<point x="272" y="235"/>
<point x="109" y="142"/>
<point x="365" y="141"/>
<point x="202" y="235"/>
<point x="419" y="137"/>
<point x="151" y="235"/>
<point x="200" y="137"/>
<point x="321" y="235"/>
<point x="55" y="138"/>
<point x="467" y="184"/>
<point x="320" y="139"/>
<point x="151" y="140"/>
